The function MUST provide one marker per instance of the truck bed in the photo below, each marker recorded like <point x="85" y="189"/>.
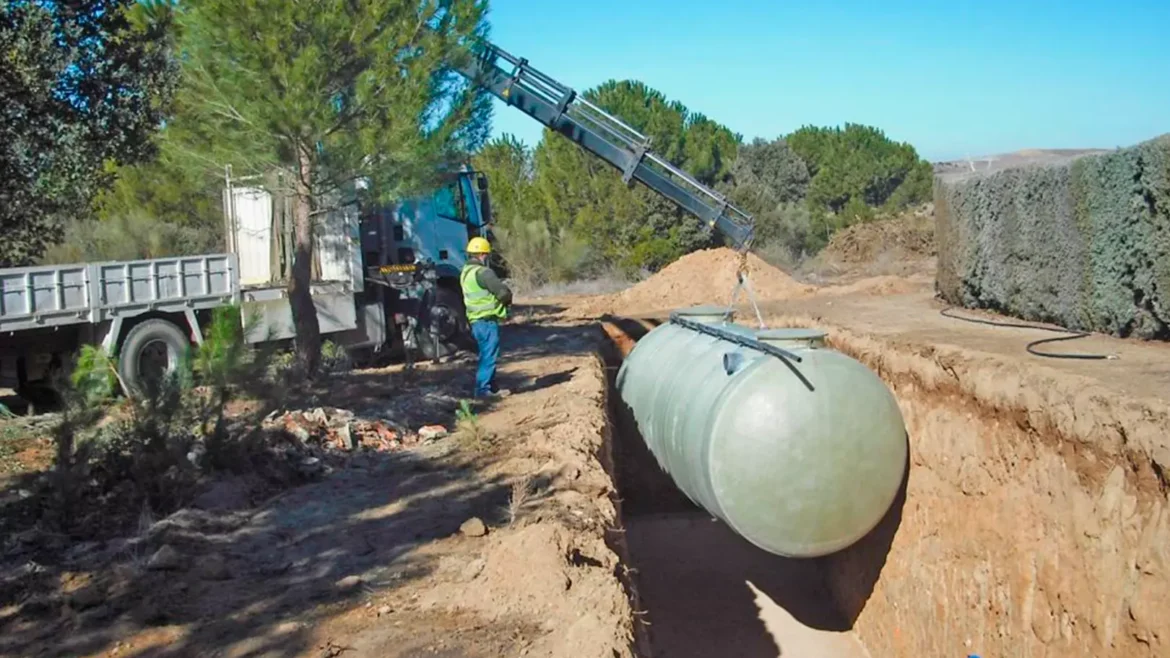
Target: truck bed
<point x="57" y="295"/>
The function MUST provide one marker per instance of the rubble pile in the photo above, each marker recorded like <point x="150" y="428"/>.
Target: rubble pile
<point x="326" y="432"/>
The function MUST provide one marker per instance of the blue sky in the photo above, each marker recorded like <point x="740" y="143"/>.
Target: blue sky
<point x="951" y="77"/>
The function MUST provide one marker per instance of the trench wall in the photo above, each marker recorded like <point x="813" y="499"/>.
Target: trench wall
<point x="1085" y="244"/>
<point x="1035" y="520"/>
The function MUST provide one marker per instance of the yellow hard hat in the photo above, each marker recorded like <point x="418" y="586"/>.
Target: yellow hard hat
<point x="479" y="246"/>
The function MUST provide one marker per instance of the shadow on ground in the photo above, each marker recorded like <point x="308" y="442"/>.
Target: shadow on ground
<point x="234" y="577"/>
<point x="231" y="581"/>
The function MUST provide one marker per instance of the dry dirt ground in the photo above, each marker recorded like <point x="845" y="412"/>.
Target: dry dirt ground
<point x="489" y="542"/>
<point x="1034" y="521"/>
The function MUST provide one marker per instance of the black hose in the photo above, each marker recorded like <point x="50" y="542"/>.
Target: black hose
<point x="1031" y="347"/>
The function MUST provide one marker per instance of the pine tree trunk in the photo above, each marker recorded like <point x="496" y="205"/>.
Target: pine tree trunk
<point x="308" y="340"/>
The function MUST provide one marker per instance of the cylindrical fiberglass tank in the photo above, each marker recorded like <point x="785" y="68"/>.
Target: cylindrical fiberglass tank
<point x="800" y="458"/>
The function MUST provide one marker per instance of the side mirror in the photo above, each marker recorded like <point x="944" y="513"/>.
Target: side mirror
<point x="485" y="200"/>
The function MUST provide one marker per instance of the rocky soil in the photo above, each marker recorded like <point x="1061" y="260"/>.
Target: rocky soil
<point x="1034" y="519"/>
<point x="487" y="537"/>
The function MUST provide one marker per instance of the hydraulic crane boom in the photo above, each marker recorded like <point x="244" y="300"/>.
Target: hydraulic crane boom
<point x="560" y="108"/>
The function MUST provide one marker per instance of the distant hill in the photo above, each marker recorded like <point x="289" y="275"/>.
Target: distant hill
<point x="1023" y="157"/>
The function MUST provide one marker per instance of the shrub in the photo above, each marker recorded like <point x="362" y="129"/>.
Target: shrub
<point x="535" y="255"/>
<point x="1083" y="244"/>
<point x="129" y="237"/>
<point x="140" y="450"/>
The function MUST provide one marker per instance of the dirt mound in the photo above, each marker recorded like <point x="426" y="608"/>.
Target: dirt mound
<point x="909" y="236"/>
<point x="542" y="572"/>
<point x="701" y="277"/>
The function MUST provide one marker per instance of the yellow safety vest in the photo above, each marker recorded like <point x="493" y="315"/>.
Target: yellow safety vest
<point x="480" y="303"/>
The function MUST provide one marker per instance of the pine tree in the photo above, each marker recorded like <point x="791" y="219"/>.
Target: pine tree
<point x="633" y="227"/>
<point x="328" y="92"/>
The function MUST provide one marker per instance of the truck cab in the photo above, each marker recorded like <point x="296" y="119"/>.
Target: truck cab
<point x="384" y="275"/>
<point x="414" y="250"/>
<point x="431" y="229"/>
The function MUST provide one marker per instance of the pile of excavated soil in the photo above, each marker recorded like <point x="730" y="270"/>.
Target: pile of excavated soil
<point x="910" y="237"/>
<point x="701" y="277"/>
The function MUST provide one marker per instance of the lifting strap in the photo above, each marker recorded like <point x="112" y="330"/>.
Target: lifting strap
<point x="744" y="282"/>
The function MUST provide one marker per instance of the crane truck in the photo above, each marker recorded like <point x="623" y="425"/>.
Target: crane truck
<point x="384" y="276"/>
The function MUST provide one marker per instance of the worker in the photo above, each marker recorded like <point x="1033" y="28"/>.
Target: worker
<point x="486" y="299"/>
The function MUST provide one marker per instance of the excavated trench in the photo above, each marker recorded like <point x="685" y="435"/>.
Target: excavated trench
<point x="1034" y="521"/>
<point x="703" y="590"/>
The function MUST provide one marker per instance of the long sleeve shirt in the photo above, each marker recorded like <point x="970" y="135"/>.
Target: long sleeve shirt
<point x="492" y="283"/>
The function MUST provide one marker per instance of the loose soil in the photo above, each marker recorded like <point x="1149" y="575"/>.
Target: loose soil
<point x="1034" y="521"/>
<point x="907" y="237"/>
<point x="709" y="277"/>
<point x="495" y="540"/>
<point x="702" y="277"/>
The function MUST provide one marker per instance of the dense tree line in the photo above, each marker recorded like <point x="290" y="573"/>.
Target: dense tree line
<point x="120" y="116"/>
<point x="83" y="86"/>
<point x="563" y="213"/>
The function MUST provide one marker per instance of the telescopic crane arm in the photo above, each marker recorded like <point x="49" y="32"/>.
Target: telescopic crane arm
<point x="561" y="109"/>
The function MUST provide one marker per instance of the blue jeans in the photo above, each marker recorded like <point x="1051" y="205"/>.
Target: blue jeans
<point x="487" y="337"/>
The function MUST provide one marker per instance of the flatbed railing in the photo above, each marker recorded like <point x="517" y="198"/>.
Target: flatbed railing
<point x="57" y="295"/>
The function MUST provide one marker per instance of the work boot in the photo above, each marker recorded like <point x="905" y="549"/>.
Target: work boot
<point x="496" y="394"/>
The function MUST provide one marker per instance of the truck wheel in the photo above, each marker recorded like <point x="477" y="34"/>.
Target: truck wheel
<point x="445" y="313"/>
<point x="152" y="350"/>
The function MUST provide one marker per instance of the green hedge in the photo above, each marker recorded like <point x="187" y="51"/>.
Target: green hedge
<point x="1085" y="244"/>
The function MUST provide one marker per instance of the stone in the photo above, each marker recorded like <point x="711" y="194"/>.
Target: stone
<point x="165" y="559"/>
<point x="39" y="605"/>
<point x="212" y="566"/>
<point x="348" y="584"/>
<point x="81" y="550"/>
<point x="95" y="616"/>
<point x="299" y="432"/>
<point x="346" y="436"/>
<point x="32" y="536"/>
<point x="384" y="610"/>
<point x="432" y="432"/>
<point x="311" y="466"/>
<point x="196" y="454"/>
<point x="473" y="527"/>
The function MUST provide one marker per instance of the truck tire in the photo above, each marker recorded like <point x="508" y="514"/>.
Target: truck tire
<point x="445" y="310"/>
<point x="150" y="351"/>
